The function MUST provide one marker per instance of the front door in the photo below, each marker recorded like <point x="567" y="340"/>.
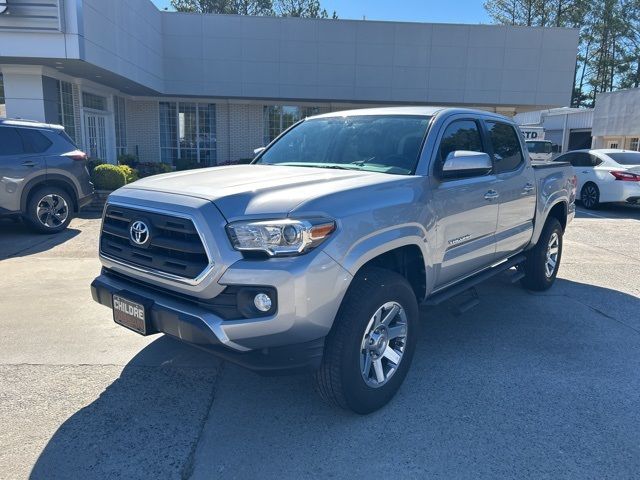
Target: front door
<point x="466" y="208"/>
<point x="95" y="127"/>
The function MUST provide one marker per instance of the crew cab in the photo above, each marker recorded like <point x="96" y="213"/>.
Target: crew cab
<point x="317" y="255"/>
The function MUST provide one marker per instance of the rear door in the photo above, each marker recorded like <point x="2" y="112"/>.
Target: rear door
<point x="516" y="186"/>
<point x="18" y="165"/>
<point x="466" y="208"/>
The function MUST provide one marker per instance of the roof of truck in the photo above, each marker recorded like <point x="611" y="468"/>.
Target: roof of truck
<point x="420" y="111"/>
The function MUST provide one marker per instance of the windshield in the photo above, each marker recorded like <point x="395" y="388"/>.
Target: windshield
<point x="539" y="147"/>
<point x="625" y="158"/>
<point x="376" y="143"/>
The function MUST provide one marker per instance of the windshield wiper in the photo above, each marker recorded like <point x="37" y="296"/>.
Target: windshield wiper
<point x="335" y="166"/>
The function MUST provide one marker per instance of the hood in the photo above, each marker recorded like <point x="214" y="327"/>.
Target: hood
<point x="242" y="190"/>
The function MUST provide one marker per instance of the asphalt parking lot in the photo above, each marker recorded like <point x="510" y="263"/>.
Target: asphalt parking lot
<point x="525" y="385"/>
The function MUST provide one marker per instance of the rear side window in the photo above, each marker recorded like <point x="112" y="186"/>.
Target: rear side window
<point x="34" y="141"/>
<point x="507" y="153"/>
<point x="459" y="135"/>
<point x="10" y="141"/>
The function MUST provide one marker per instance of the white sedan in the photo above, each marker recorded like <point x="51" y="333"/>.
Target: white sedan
<point x="605" y="175"/>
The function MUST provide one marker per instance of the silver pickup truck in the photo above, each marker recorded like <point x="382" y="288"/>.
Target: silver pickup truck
<point x="318" y="254"/>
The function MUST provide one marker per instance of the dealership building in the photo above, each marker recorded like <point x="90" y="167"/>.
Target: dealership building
<point x="194" y="90"/>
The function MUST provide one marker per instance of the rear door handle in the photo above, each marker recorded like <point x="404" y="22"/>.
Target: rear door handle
<point x="585" y="171"/>
<point x="528" y="188"/>
<point x="29" y="163"/>
<point x="491" y="195"/>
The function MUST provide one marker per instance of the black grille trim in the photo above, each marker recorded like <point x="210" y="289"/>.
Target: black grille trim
<point x="175" y="246"/>
<point x="225" y="304"/>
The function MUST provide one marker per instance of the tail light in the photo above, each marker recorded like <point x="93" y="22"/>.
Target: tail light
<point x="573" y="180"/>
<point x="626" y="176"/>
<point x="76" y="155"/>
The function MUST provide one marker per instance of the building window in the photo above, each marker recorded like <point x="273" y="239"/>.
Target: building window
<point x="634" y="143"/>
<point x="277" y="118"/>
<point x="188" y="134"/>
<point x="66" y="116"/>
<point x="120" y="118"/>
<point x="94" y="102"/>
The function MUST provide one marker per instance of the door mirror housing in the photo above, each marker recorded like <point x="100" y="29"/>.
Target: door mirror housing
<point x="258" y="151"/>
<point x="464" y="163"/>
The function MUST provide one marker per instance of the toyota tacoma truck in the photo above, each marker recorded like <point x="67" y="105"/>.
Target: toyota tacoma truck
<point x="318" y="254"/>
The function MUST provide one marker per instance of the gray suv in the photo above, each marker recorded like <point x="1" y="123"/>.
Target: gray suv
<point x="43" y="175"/>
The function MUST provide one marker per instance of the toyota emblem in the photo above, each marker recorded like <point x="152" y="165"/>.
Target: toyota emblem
<point x="139" y="232"/>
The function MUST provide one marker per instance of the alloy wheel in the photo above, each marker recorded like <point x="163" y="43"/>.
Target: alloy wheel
<point x="52" y="210"/>
<point x="553" y="250"/>
<point x="589" y="196"/>
<point x="383" y="344"/>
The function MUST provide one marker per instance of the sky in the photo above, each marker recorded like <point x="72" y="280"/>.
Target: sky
<point x="452" y="11"/>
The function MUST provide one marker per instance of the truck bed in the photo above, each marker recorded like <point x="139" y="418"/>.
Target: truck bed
<point x="539" y="164"/>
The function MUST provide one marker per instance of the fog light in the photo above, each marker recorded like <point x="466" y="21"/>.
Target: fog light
<point x="262" y="301"/>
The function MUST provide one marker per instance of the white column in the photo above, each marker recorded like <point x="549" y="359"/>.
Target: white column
<point x="24" y="96"/>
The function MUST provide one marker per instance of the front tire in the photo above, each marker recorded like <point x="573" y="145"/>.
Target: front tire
<point x="543" y="261"/>
<point x="590" y="196"/>
<point x="370" y="347"/>
<point x="49" y="210"/>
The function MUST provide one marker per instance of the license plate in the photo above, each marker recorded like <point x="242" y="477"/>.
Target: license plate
<point x="130" y="314"/>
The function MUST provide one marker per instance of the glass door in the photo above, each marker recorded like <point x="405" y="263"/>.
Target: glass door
<point x="96" y="135"/>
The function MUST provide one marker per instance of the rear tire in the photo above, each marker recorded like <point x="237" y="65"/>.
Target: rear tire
<point x="379" y="313"/>
<point x="590" y="196"/>
<point x="543" y="261"/>
<point x="49" y="209"/>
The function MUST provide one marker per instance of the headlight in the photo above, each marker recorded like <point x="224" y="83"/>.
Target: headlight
<point x="280" y="237"/>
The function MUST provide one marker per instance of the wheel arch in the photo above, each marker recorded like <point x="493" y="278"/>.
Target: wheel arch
<point x="407" y="260"/>
<point x="58" y="181"/>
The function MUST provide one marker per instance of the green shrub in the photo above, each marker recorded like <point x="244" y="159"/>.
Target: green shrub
<point x="128" y="159"/>
<point x="92" y="163"/>
<point x="148" y="169"/>
<point x="130" y="173"/>
<point x="108" y="177"/>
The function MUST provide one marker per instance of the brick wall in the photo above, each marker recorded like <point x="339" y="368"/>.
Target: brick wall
<point x="143" y="130"/>
<point x="245" y="131"/>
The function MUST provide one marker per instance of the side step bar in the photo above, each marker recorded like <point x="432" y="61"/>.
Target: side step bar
<point x="471" y="282"/>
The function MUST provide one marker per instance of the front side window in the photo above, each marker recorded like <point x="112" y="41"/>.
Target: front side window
<point x="459" y="135"/>
<point x="377" y="143"/>
<point x="507" y="154"/>
<point x="188" y="134"/>
<point x="11" y="141"/>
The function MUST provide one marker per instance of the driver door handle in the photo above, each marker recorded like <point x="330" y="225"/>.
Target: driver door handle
<point x="528" y="188"/>
<point x="491" y="195"/>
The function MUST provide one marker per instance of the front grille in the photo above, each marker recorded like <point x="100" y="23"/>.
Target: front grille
<point x="174" y="246"/>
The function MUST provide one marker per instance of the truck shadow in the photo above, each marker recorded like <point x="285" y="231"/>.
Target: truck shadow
<point x="523" y="383"/>
<point x="17" y="239"/>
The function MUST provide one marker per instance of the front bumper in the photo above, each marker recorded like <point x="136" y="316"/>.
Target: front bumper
<point x="198" y="327"/>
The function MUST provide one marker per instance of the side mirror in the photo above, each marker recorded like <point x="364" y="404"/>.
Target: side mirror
<point x="462" y="163"/>
<point x="258" y="151"/>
